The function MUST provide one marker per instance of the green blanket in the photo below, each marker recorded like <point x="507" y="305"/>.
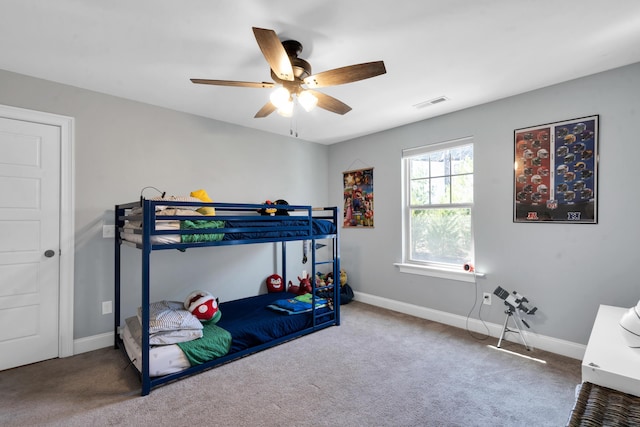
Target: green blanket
<point x="214" y="343"/>
<point x="199" y="224"/>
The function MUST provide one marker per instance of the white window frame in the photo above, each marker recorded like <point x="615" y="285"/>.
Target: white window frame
<point x="442" y="270"/>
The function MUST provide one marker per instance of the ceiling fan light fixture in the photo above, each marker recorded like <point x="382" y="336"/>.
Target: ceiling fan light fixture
<point x="280" y="97"/>
<point x="286" y="109"/>
<point x="294" y="79"/>
<point x="307" y="100"/>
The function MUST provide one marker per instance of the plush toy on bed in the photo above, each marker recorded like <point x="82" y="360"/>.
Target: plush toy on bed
<point x="203" y="196"/>
<point x="203" y="306"/>
<point x="275" y="284"/>
<point x="305" y="285"/>
<point x="281" y="212"/>
<point x="268" y="211"/>
<point x="294" y="289"/>
<point x="274" y="210"/>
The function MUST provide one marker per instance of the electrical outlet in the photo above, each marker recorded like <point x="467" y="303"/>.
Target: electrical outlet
<point x="486" y="298"/>
<point x="107" y="307"/>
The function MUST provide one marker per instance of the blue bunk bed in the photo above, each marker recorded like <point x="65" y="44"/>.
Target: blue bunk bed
<point x="251" y="324"/>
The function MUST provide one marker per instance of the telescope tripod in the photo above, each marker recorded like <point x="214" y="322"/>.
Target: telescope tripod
<point x="510" y="312"/>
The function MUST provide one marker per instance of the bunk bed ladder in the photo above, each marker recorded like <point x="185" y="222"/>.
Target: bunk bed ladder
<point x="334" y="261"/>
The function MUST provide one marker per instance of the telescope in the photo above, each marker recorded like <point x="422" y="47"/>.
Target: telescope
<point x="515" y="303"/>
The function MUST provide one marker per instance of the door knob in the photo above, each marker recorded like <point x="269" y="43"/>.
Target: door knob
<point x="49" y="253"/>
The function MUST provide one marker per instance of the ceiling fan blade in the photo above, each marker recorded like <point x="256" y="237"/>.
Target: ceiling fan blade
<point x="267" y="109"/>
<point x="233" y="83"/>
<point x="348" y="74"/>
<point x="330" y="103"/>
<point x="274" y="53"/>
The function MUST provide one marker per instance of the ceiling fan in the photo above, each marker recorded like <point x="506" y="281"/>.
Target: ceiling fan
<point x="293" y="77"/>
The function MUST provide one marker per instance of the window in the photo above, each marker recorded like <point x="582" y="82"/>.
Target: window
<point x="438" y="204"/>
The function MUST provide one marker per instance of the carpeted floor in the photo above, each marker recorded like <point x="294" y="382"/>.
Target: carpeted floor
<point x="379" y="368"/>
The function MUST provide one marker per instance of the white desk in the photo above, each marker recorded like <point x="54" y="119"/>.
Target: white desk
<point x="608" y="361"/>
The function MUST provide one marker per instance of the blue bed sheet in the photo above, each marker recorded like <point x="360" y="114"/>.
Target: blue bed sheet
<point x="251" y="323"/>
<point x="319" y="227"/>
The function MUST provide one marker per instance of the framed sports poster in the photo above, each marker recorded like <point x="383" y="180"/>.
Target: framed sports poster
<point x="556" y="172"/>
<point x="358" y="198"/>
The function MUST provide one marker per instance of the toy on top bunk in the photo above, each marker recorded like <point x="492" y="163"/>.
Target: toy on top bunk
<point x="204" y="197"/>
<point x="203" y="306"/>
<point x="194" y="196"/>
<point x="272" y="208"/>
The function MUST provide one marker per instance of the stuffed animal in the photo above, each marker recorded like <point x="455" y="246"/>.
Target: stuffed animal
<point x="203" y="306"/>
<point x="203" y="196"/>
<point x="282" y="212"/>
<point x="294" y="289"/>
<point x="269" y="210"/>
<point x="274" y="210"/>
<point x="343" y="277"/>
<point x="305" y="285"/>
<point x="275" y="284"/>
<point x="321" y="280"/>
<point x="346" y="293"/>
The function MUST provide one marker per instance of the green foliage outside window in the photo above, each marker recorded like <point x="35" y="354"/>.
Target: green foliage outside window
<point x="440" y="202"/>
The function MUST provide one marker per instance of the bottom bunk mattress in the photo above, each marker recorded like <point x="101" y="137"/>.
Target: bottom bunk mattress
<point x="250" y="322"/>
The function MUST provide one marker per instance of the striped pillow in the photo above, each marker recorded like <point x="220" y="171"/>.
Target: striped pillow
<point x="169" y="316"/>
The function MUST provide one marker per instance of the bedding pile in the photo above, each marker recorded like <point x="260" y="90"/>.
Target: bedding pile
<point x="169" y="324"/>
<point x="133" y="229"/>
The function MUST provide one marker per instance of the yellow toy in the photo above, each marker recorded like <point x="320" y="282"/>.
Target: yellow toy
<point x="203" y="196"/>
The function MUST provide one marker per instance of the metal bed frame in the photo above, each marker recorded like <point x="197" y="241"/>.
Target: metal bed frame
<point x="224" y="212"/>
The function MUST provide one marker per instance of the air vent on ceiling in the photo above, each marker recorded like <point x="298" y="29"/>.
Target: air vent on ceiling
<point x="431" y="102"/>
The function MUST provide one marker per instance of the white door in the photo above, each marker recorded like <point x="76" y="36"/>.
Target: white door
<point x="29" y="242"/>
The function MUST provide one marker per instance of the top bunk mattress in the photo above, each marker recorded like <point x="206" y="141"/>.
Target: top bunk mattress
<point x="180" y="224"/>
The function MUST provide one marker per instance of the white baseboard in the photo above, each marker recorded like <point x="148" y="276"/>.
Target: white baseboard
<point x="95" y="342"/>
<point x="553" y="345"/>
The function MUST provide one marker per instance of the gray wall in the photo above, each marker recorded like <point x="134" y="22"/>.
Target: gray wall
<point x="567" y="270"/>
<point x="122" y="146"/>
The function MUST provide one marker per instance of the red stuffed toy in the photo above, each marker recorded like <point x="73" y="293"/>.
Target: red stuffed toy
<point x="293" y="288"/>
<point x="275" y="284"/>
<point x="203" y="306"/>
<point x="305" y="285"/>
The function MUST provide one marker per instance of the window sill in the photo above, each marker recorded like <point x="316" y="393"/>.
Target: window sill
<point x="461" y="276"/>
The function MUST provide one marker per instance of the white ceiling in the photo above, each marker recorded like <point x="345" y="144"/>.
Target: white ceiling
<point x="471" y="51"/>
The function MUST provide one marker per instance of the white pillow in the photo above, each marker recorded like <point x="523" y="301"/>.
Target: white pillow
<point x="177" y="199"/>
<point x="169" y="316"/>
<point x="163" y="224"/>
<point x="162" y="338"/>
